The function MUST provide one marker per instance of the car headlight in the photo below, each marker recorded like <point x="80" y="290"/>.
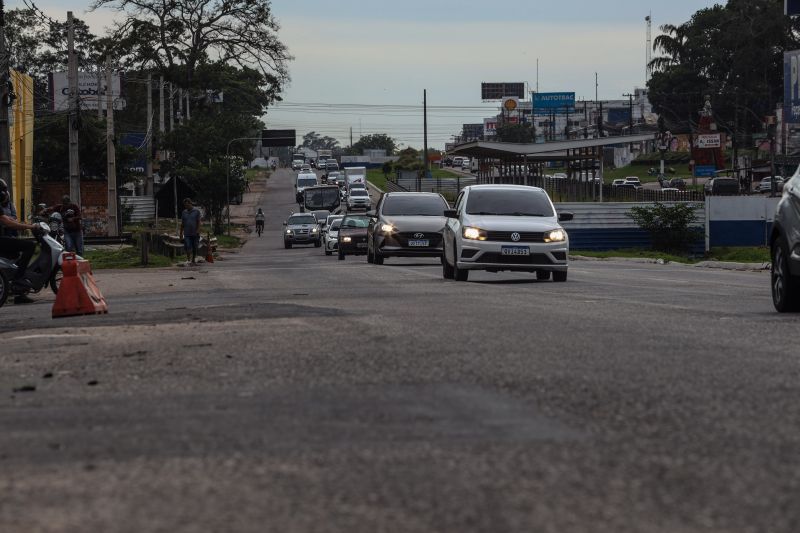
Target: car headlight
<point x="314" y="230"/>
<point x="474" y="234"/>
<point x="387" y="228"/>
<point x="556" y="235"/>
<point x="289" y="232"/>
<point x="347" y="239"/>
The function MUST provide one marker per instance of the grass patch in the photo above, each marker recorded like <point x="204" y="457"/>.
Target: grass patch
<point x="734" y="254"/>
<point x="376" y="177"/>
<point x="125" y="257"/>
<point x="254" y="174"/>
<point x="229" y="241"/>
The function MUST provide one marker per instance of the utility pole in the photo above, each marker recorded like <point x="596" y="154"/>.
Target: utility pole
<point x="99" y="90"/>
<point x="351" y="136"/>
<point x="630" y="116"/>
<point x="162" y="126"/>
<point x="180" y="106"/>
<point x="5" y="102"/>
<point x="171" y="107"/>
<point x="148" y="162"/>
<point x="111" y="153"/>
<point x="188" y="111"/>
<point x="74" y="163"/>
<point x="425" y="134"/>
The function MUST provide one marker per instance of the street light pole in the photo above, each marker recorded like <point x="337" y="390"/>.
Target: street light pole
<point x="228" y="173"/>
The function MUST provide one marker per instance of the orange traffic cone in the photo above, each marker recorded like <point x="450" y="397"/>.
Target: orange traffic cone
<point x="209" y="253"/>
<point x="78" y="294"/>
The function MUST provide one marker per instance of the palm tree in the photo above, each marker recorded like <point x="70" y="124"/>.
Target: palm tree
<point x="672" y="44"/>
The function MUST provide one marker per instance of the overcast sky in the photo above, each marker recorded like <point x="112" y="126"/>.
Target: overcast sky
<point x="386" y="53"/>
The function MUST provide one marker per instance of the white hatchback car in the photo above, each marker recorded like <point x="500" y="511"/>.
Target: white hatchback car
<point x="505" y="227"/>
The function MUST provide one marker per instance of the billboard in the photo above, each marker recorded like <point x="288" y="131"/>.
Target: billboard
<point x="498" y="91"/>
<point x="472" y="132"/>
<point x="619" y="115"/>
<point x="553" y="101"/>
<point x="278" y="138"/>
<point x="791" y="86"/>
<point x="87" y="91"/>
<point x="791" y="7"/>
<point x="708" y="141"/>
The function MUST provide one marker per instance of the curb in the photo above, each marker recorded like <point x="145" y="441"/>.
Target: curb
<point x="720" y="265"/>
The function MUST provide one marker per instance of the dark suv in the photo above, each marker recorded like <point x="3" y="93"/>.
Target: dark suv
<point x="785" y="247"/>
<point x="407" y="224"/>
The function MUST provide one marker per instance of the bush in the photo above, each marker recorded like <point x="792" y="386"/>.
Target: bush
<point x="670" y="226"/>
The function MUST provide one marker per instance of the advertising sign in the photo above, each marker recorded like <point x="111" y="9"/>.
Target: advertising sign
<point x="708" y="141"/>
<point x="553" y="101"/>
<point x="472" y="132"/>
<point x="791" y="86"/>
<point x="490" y="126"/>
<point x="497" y="91"/>
<point x="510" y="104"/>
<point x="791" y="7"/>
<point x="87" y="91"/>
<point x="619" y="115"/>
<point x="705" y="171"/>
<point x="278" y="138"/>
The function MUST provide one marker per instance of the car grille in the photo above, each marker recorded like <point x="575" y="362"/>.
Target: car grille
<point x="301" y="232"/>
<point x="533" y="259"/>
<point x="524" y="236"/>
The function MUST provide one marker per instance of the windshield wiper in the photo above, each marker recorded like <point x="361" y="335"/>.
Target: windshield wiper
<point x="483" y="213"/>
<point x="521" y="214"/>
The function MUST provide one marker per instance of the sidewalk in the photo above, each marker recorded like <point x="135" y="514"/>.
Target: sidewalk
<point x="246" y="212"/>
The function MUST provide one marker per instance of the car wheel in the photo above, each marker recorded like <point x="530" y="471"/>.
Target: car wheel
<point x="4" y="287"/>
<point x="785" y="287"/>
<point x="447" y="270"/>
<point x="328" y="252"/>
<point x="460" y="274"/>
<point x="542" y="275"/>
<point x="560" y="276"/>
<point x="317" y="244"/>
<point x="370" y="257"/>
<point x="377" y="258"/>
<point x="287" y="244"/>
<point x="341" y="255"/>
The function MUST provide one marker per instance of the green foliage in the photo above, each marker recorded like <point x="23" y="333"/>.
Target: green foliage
<point x="733" y="52"/>
<point x="515" y="133"/>
<point x="410" y="159"/>
<point x="315" y="141"/>
<point x="208" y="180"/>
<point x="386" y="168"/>
<point x="376" y="141"/>
<point x="670" y="226"/>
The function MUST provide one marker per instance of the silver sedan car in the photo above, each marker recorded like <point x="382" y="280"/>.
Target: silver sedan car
<point x="505" y="227"/>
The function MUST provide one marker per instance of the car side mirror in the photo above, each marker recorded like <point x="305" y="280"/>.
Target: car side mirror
<point x="565" y="217"/>
<point x="450" y="213"/>
<point x="284" y="222"/>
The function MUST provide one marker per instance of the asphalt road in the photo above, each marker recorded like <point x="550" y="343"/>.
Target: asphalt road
<point x="286" y="391"/>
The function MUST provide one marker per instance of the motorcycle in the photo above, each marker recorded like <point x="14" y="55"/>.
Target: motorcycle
<point x="43" y="271"/>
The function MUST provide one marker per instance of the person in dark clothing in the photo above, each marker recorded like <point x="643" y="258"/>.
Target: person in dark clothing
<point x="190" y="230"/>
<point x="73" y="229"/>
<point x="12" y="247"/>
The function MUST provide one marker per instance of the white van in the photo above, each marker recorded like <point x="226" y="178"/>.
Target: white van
<point x="458" y="161"/>
<point x="305" y="179"/>
<point x="474" y="166"/>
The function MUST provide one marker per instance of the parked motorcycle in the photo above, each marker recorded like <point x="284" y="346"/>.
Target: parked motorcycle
<point x="44" y="270"/>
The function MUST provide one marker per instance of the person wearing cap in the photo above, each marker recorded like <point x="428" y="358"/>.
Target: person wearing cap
<point x="13" y="246"/>
<point x="73" y="230"/>
<point x="190" y="230"/>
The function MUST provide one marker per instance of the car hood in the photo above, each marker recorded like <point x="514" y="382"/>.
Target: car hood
<point x="501" y="223"/>
<point x="416" y="223"/>
<point x="301" y="226"/>
<point x="352" y="232"/>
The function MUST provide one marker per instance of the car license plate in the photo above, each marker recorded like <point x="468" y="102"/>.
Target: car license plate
<point x="515" y="250"/>
<point x="419" y="243"/>
<point x="361" y="245"/>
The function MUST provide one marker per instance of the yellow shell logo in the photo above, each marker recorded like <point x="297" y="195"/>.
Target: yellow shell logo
<point x="510" y="105"/>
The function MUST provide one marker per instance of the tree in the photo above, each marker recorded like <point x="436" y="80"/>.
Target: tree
<point x="515" y="133"/>
<point x="376" y="141"/>
<point x="733" y="53"/>
<point x="315" y="141"/>
<point x="211" y="191"/>
<point x="670" y="226"/>
<point x="178" y="36"/>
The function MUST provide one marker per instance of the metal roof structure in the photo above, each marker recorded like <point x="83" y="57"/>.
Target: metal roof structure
<point x="548" y="150"/>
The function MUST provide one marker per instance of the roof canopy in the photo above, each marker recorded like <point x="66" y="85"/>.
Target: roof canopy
<point x="548" y="150"/>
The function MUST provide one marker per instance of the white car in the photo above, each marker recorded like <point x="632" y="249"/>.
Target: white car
<point x="617" y="182"/>
<point x="330" y="236"/>
<point x="765" y="185"/>
<point x="297" y="164"/>
<point x="505" y="227"/>
<point x="633" y="180"/>
<point x="358" y="199"/>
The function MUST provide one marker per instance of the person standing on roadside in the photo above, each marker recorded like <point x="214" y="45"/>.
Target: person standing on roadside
<point x="73" y="227"/>
<point x="190" y="230"/>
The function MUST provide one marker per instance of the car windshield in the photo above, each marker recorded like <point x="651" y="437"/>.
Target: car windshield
<point x="321" y="198"/>
<point x="335" y="225"/>
<point x="426" y="205"/>
<point x="306" y="182"/>
<point x="509" y="202"/>
<point x="356" y="222"/>
<point x="358" y="192"/>
<point x="304" y="219"/>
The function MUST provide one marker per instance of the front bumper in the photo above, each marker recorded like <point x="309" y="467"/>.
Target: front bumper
<point x="358" y="246"/>
<point x="397" y="245"/>
<point x="332" y="245"/>
<point x="302" y="238"/>
<point x="488" y="255"/>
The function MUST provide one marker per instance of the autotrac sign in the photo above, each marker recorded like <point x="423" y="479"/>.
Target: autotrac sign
<point x="553" y="101"/>
<point x="791" y="86"/>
